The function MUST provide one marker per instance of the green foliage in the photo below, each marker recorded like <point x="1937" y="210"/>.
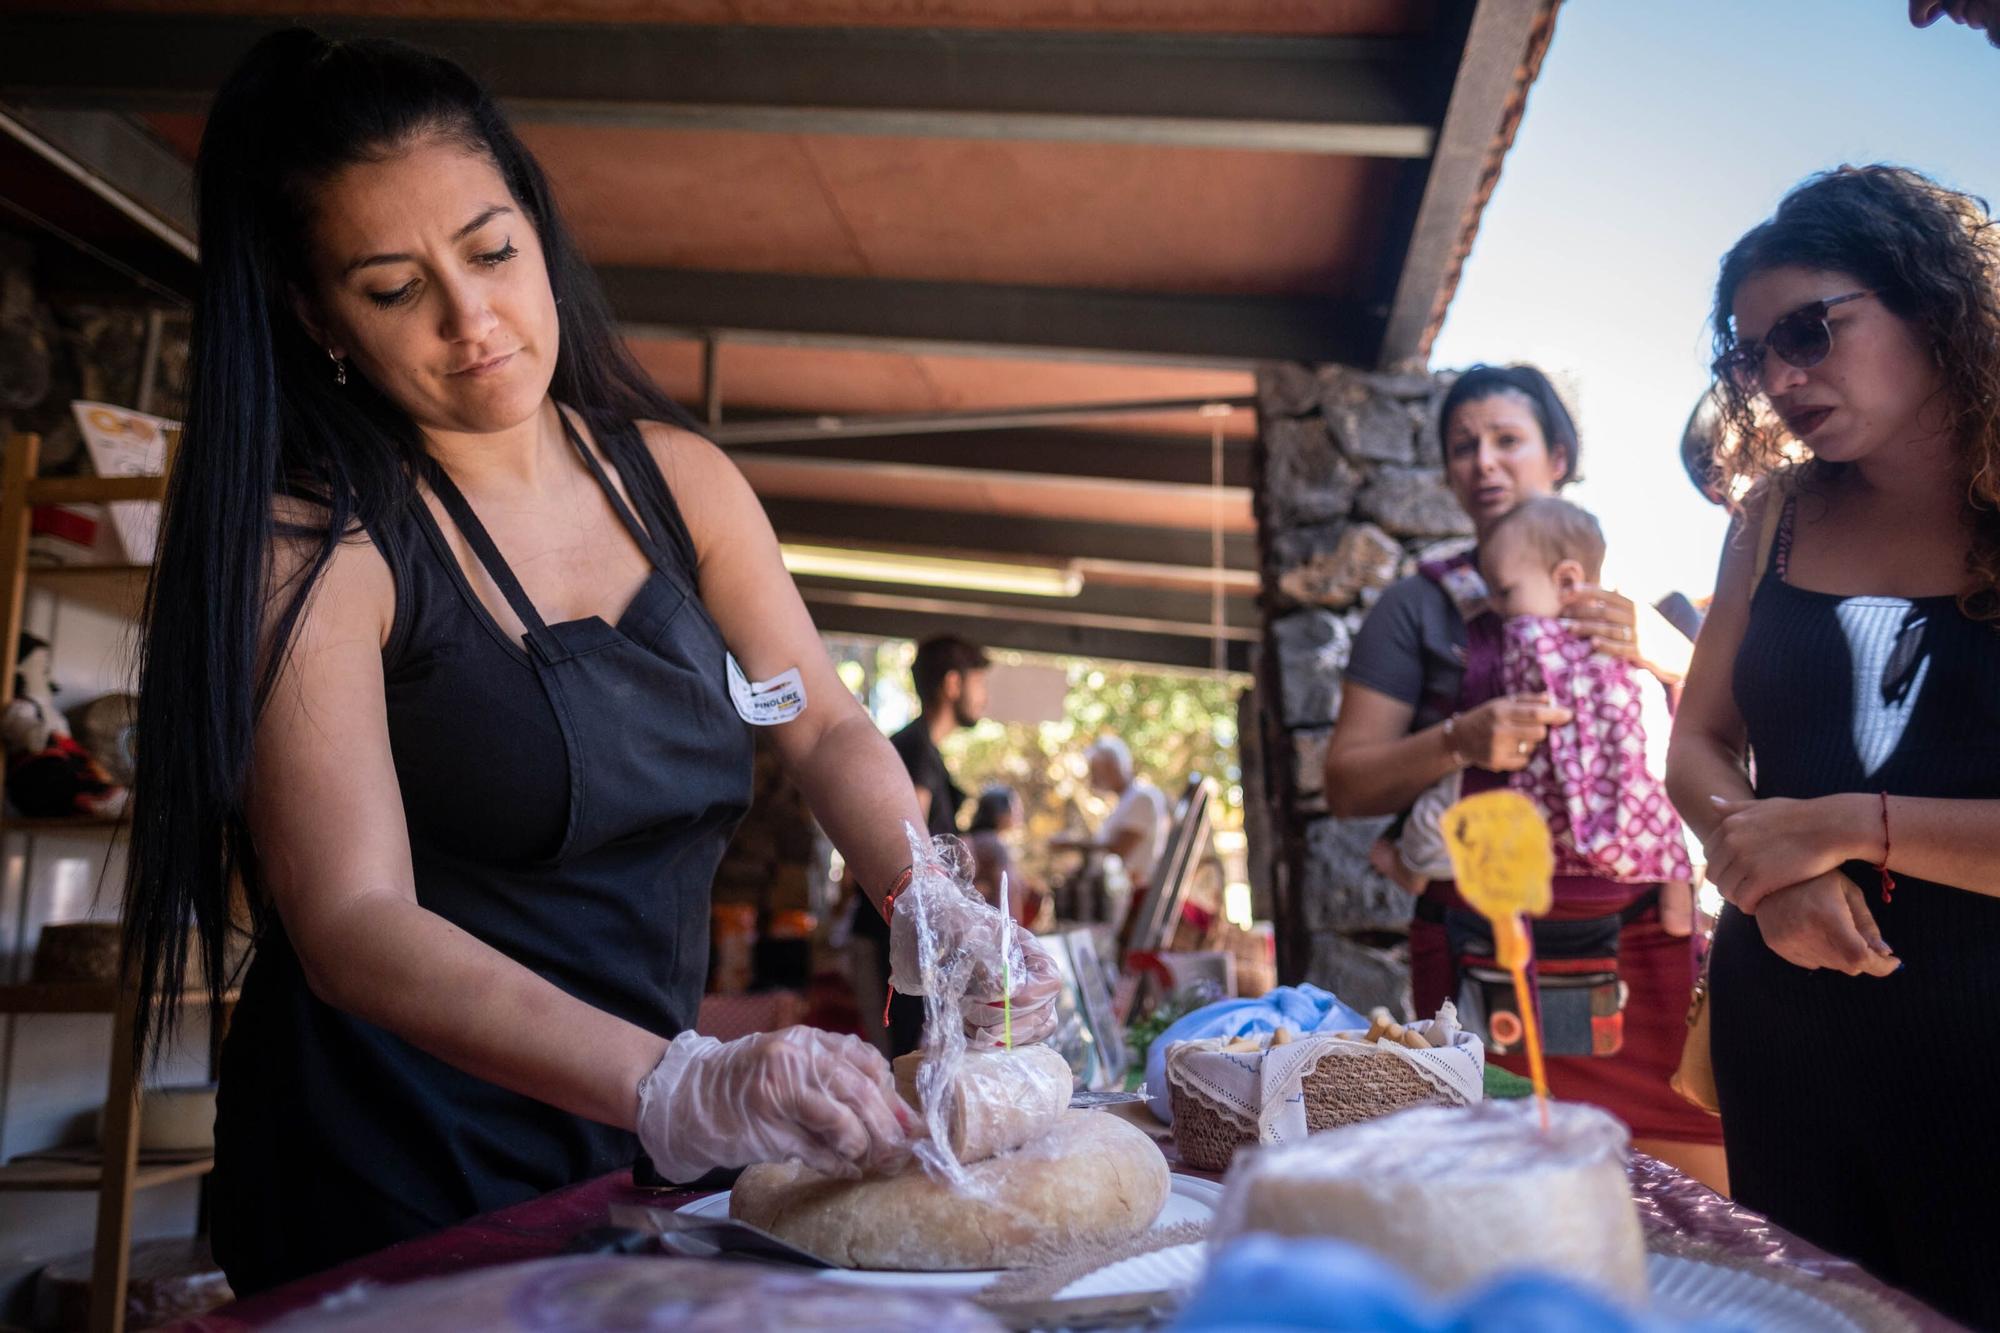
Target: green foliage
<point x="1176" y="725"/>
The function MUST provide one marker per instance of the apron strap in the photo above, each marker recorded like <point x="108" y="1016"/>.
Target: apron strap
<point x="454" y="501"/>
<point x="625" y="514"/>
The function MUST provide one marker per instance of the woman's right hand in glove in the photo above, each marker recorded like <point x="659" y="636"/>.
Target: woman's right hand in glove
<point x="798" y="1094"/>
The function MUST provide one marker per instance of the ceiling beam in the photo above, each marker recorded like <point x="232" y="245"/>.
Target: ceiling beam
<point x="1106" y="605"/>
<point x="1500" y="57"/>
<point x="899" y="617"/>
<point x="1054" y="452"/>
<point x="991" y="492"/>
<point x="871" y="526"/>
<point x="1212" y="331"/>
<point x="1097" y="573"/>
<point x="51" y="188"/>
<point x="824" y="426"/>
<point x="124" y="157"/>
<point x="1335" y="95"/>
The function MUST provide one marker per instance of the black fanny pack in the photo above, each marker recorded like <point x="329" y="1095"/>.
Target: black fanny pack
<point x="1577" y="987"/>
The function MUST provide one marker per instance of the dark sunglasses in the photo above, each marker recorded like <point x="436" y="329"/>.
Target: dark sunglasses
<point x="1801" y="339"/>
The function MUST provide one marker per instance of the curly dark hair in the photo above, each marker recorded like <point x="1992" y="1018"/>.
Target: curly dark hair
<point x="1932" y="256"/>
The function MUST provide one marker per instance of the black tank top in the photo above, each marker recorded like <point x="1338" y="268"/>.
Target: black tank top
<point x="1866" y="694"/>
<point x="569" y="796"/>
<point x="1872" y="694"/>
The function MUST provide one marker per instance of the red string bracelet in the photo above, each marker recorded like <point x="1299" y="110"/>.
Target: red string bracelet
<point x="1888" y="880"/>
<point x="889" y="915"/>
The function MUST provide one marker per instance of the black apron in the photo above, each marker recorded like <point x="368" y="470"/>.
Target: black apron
<point x="569" y="797"/>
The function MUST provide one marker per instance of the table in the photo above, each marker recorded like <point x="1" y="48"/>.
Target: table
<point x="1670" y="1204"/>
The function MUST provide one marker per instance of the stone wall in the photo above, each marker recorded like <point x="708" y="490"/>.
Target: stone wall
<point x="1350" y="495"/>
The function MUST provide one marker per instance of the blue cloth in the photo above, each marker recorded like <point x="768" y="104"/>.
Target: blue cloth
<point x="1293" y="1008"/>
<point x="1265" y="1284"/>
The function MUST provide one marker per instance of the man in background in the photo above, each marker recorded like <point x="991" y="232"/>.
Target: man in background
<point x="950" y="679"/>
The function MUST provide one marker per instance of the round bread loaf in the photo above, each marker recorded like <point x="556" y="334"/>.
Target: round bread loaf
<point x="1457" y="1194"/>
<point x="1092" y="1178"/>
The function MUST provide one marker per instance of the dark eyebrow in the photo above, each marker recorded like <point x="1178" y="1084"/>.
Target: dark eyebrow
<point x="485" y="216"/>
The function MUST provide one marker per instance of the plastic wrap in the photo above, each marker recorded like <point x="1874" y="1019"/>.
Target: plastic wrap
<point x="1001" y="1100"/>
<point x="1683" y="1216"/>
<point x="956" y="943"/>
<point x="615" y="1295"/>
<point x="820" y="1097"/>
<point x="1456" y="1194"/>
<point x="1091" y="1180"/>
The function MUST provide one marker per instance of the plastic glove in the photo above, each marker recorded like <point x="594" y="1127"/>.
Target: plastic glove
<point x="797" y="1094"/>
<point x="969" y="932"/>
<point x="1037" y="987"/>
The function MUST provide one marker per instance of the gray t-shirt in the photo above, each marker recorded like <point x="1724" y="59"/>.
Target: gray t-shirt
<point x="1412" y="647"/>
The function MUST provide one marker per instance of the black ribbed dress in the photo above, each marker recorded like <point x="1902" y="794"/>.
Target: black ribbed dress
<point x="1863" y="1113"/>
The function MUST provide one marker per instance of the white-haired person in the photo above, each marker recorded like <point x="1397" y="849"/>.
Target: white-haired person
<point x="1136" y="828"/>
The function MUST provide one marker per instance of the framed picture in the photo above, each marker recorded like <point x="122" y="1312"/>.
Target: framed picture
<point x="1072" y="1038"/>
<point x="1094" y="999"/>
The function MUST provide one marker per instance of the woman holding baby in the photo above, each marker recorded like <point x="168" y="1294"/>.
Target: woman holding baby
<point x="1447" y="692"/>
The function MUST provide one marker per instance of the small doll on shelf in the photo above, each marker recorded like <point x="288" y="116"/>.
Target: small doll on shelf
<point x="48" y="774"/>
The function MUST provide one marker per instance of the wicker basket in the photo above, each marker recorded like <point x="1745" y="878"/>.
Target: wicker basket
<point x="1343" y="1088"/>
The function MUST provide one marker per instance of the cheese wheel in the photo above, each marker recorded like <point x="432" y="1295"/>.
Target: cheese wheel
<point x="1002" y="1099"/>
<point x="1457" y="1194"/>
<point x="1093" y="1179"/>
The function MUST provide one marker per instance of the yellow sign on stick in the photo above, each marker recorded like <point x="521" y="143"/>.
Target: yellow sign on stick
<point x="1505" y="864"/>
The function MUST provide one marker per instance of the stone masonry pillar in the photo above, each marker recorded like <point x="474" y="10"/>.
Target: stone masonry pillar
<point x="1350" y="495"/>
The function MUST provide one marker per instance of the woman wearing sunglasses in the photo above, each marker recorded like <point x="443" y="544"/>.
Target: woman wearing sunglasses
<point x="1851" y="662"/>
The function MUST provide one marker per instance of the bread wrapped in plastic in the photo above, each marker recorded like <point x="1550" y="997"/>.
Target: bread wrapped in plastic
<point x="1092" y="1179"/>
<point x="1457" y="1194"/>
<point x="999" y="1099"/>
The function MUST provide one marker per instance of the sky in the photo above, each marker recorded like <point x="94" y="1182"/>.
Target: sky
<point x="1658" y="133"/>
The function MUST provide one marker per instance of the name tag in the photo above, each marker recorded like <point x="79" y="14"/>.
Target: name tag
<point x="766" y="703"/>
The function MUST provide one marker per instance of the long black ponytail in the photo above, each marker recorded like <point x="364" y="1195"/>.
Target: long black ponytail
<point x="265" y="422"/>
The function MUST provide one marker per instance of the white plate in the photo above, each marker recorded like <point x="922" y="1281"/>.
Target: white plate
<point x="1690" y="1290"/>
<point x="1683" y="1289"/>
<point x="1190" y="1199"/>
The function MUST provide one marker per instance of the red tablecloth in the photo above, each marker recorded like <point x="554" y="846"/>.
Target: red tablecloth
<point x="1668" y="1201"/>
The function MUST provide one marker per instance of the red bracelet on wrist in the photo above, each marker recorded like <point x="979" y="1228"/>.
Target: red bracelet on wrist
<point x="1888" y="880"/>
<point x="889" y="899"/>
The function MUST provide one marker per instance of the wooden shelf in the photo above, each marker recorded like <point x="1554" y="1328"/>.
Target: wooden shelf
<point x="94" y="490"/>
<point x="78" y="997"/>
<point x="62" y="823"/>
<point x="46" y="1174"/>
<point x="116" y="590"/>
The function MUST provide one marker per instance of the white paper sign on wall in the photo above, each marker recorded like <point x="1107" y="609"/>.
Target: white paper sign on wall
<point x="124" y="443"/>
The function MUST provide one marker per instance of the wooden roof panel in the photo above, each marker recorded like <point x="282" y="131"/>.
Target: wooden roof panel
<point x="1049" y="214"/>
<point x="1319" y="18"/>
<point x="762" y="379"/>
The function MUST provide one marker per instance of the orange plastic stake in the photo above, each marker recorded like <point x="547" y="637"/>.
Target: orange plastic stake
<point x="1501" y="854"/>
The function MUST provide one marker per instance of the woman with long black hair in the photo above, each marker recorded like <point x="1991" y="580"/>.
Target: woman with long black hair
<point x="441" y="662"/>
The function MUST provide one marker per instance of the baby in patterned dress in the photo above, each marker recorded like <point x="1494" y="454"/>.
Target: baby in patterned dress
<point x="1592" y="780"/>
